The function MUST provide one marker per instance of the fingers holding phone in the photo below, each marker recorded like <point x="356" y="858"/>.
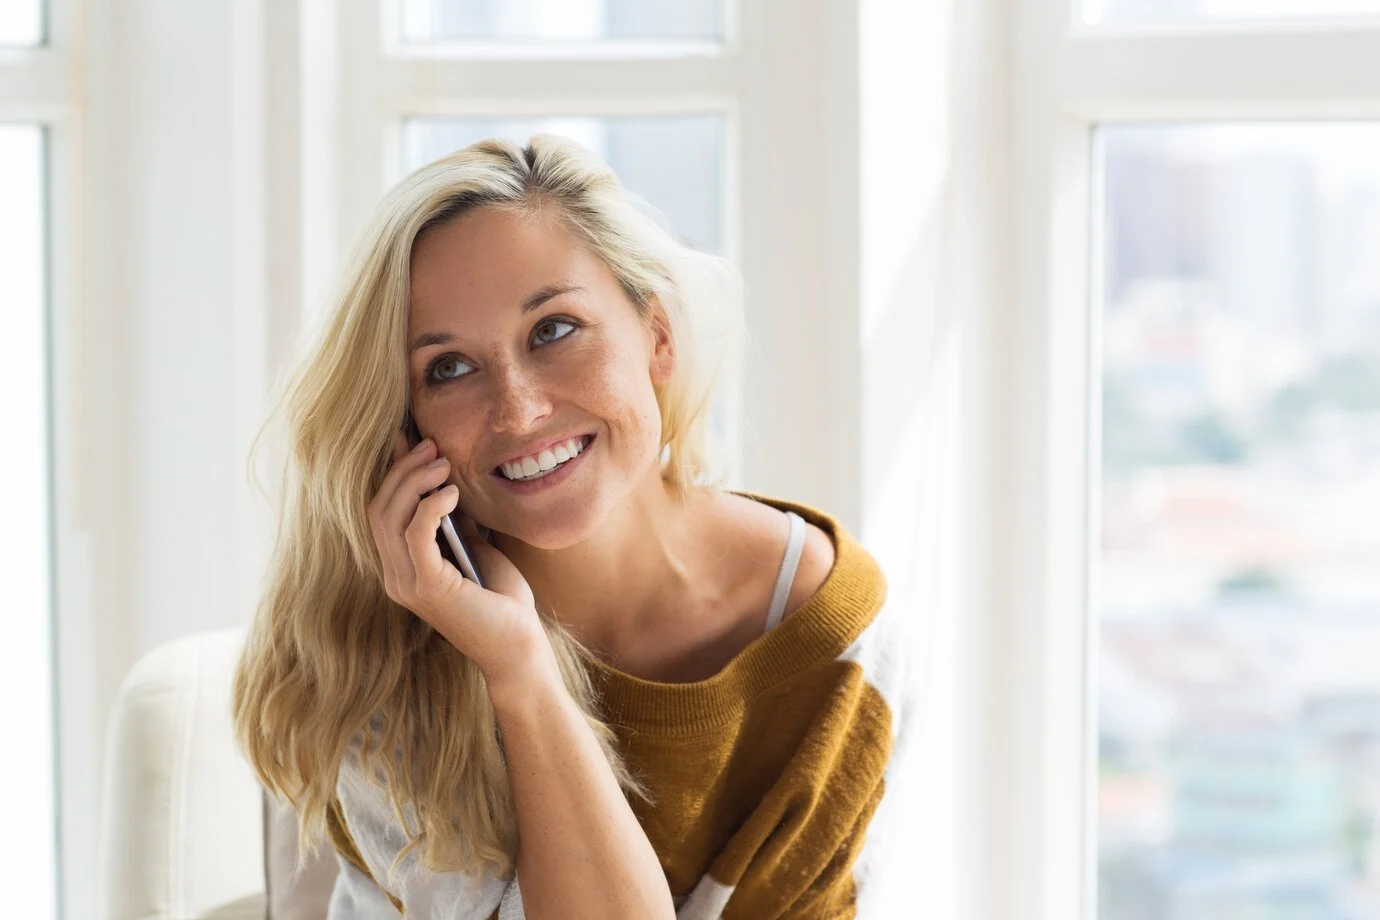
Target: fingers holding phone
<point x="413" y="471"/>
<point x="454" y="547"/>
<point x="493" y="625"/>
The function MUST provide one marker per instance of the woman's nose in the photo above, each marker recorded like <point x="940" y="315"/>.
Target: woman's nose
<point x="519" y="400"/>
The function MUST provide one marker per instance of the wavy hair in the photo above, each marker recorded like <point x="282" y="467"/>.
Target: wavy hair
<point x="331" y="663"/>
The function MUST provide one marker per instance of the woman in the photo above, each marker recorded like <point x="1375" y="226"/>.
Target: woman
<point x="669" y="699"/>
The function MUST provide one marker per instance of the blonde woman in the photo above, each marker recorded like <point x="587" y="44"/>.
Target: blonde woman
<point x="669" y="699"/>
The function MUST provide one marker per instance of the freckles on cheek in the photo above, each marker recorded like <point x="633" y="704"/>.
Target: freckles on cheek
<point x="453" y="427"/>
<point x="629" y="403"/>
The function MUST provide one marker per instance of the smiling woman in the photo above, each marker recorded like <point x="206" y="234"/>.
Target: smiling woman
<point x="557" y="350"/>
<point x="530" y="362"/>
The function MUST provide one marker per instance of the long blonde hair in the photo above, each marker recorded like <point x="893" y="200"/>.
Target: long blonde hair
<point x="330" y="658"/>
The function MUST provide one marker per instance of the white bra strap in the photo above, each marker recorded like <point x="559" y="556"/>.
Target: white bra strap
<point x="795" y="543"/>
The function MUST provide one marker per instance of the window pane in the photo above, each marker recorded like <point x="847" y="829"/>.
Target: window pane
<point x="1238" y="584"/>
<point x="676" y="163"/>
<point x="1164" y="12"/>
<point x="562" y="20"/>
<point x="21" y="22"/>
<point x="26" y="674"/>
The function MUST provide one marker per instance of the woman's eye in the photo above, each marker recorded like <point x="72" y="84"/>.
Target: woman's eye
<point x="550" y="323"/>
<point x="437" y="374"/>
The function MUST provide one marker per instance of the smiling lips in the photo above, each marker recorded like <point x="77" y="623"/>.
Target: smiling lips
<point x="547" y="459"/>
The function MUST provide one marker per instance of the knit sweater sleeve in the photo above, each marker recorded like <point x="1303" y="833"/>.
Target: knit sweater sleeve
<point x="798" y="854"/>
<point x="805" y="870"/>
<point x="784" y="787"/>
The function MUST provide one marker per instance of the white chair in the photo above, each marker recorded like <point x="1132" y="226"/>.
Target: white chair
<point x="187" y="832"/>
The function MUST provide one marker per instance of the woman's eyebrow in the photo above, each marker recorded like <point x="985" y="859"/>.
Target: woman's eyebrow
<point x="543" y="294"/>
<point x="534" y="300"/>
<point x="430" y="338"/>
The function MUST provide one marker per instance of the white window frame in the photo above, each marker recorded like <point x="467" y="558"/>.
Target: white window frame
<point x="1066" y="79"/>
<point x="85" y="87"/>
<point x="38" y="86"/>
<point x="392" y="81"/>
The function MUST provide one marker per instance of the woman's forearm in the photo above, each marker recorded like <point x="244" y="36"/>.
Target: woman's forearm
<point x="581" y="851"/>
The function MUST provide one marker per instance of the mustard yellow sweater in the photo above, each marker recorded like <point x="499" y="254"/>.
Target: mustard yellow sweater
<point x="771" y="780"/>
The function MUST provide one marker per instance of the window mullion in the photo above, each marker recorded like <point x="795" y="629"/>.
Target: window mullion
<point x="33" y="84"/>
<point x="404" y="83"/>
<point x="1217" y="74"/>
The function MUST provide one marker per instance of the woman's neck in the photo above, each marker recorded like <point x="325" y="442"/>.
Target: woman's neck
<point x="654" y="561"/>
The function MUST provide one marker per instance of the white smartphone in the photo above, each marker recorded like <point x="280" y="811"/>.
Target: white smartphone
<point x="448" y="538"/>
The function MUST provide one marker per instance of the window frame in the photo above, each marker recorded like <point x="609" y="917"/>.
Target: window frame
<point x="1069" y="77"/>
<point x="37" y="87"/>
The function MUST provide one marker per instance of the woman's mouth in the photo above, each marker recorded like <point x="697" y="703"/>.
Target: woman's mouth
<point x="547" y="469"/>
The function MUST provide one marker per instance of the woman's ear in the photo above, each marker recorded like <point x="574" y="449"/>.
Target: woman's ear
<point x="663" y="360"/>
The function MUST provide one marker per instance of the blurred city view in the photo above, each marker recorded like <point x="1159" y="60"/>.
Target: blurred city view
<point x="1237" y="588"/>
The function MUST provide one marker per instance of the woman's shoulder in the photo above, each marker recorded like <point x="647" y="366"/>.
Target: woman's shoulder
<point x="763" y="520"/>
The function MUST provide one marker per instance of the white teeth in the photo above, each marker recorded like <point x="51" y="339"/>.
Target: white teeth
<point x="549" y="459"/>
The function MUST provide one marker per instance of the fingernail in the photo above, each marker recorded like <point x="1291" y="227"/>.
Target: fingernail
<point x="422" y="445"/>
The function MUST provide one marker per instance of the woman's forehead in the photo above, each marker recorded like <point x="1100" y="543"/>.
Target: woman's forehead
<point x="489" y="245"/>
<point x="495" y="261"/>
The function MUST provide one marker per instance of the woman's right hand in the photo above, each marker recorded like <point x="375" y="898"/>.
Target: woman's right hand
<point x="497" y="626"/>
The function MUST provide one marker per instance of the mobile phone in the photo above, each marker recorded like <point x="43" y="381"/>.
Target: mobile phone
<point x="448" y="538"/>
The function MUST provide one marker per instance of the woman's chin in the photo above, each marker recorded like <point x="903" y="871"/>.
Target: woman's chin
<point x="548" y="534"/>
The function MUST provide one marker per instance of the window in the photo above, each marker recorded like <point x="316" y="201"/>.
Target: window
<point x="1239" y="611"/>
<point x="21" y="22"/>
<point x="675" y="162"/>
<point x="26" y="655"/>
<point x="561" y="20"/>
<point x="1196" y="228"/>
<point x="41" y="278"/>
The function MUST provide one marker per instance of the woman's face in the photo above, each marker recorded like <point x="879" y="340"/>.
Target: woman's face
<point x="520" y="338"/>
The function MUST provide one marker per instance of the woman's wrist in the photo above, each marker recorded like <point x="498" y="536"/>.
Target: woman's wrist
<point x="532" y="673"/>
